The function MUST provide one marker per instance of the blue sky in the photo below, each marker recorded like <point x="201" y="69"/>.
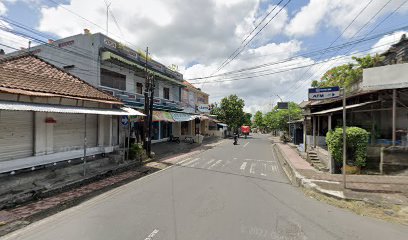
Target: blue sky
<point x="198" y="36"/>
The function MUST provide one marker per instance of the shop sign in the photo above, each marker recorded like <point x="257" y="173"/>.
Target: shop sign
<point x="204" y="108"/>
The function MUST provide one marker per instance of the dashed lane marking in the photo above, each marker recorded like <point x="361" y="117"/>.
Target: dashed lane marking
<point x="152" y="234"/>
<point x="190" y="162"/>
<point x="265" y="169"/>
<point x="243" y="166"/>
<point x="251" y="169"/>
<point x="214" y="164"/>
<point x="246" y="144"/>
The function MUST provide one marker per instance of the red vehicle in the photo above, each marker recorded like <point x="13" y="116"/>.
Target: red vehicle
<point x="245" y="130"/>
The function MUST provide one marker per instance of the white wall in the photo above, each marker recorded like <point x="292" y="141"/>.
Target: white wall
<point x="386" y="77"/>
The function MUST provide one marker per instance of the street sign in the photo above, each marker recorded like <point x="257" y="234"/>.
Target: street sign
<point x="323" y="93"/>
<point x="124" y="120"/>
<point x="283" y="105"/>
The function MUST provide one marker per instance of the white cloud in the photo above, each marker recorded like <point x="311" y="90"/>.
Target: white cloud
<point x="338" y="14"/>
<point x="9" y="40"/>
<point x="3" y="9"/>
<point x="307" y="21"/>
<point x="386" y="41"/>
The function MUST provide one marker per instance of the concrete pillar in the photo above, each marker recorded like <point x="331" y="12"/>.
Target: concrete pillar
<point x="101" y="130"/>
<point x="314" y="131"/>
<point x="305" y="134"/>
<point x="394" y="116"/>
<point x="318" y="129"/>
<point x="331" y="160"/>
<point x="40" y="133"/>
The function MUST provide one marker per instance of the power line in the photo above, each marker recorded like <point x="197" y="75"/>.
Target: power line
<point x="291" y="69"/>
<point x="333" y="48"/>
<point x="248" y="35"/>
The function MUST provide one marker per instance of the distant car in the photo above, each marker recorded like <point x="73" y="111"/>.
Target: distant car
<point x="245" y="130"/>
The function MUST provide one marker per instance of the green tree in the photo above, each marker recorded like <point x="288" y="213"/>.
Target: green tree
<point x="247" y="119"/>
<point x="231" y="111"/>
<point x="277" y="119"/>
<point x="258" y="120"/>
<point x="348" y="74"/>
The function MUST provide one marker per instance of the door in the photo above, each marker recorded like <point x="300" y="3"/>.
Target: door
<point x="16" y="134"/>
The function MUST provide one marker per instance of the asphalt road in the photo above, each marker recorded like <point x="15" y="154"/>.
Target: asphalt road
<point x="228" y="192"/>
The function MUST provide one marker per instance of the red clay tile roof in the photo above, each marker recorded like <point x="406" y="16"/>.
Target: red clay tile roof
<point x="28" y="72"/>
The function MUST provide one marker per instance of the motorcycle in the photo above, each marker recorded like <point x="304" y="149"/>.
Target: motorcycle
<point x="235" y="139"/>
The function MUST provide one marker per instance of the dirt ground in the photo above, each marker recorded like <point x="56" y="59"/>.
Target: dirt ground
<point x="388" y="212"/>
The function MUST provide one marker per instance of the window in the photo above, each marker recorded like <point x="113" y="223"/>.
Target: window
<point x="166" y="93"/>
<point x="113" y="79"/>
<point x="139" y="88"/>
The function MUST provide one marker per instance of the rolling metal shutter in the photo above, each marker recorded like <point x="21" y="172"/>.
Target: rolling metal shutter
<point x="16" y="134"/>
<point x="69" y="131"/>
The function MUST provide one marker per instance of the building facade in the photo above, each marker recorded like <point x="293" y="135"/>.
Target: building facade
<point x="48" y="115"/>
<point x="120" y="71"/>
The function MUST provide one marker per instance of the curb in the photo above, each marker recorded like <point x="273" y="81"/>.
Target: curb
<point x="299" y="180"/>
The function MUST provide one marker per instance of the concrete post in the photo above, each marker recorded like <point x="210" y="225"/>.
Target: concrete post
<point x="329" y="126"/>
<point x="394" y="116"/>
<point x="305" y="134"/>
<point x="314" y="131"/>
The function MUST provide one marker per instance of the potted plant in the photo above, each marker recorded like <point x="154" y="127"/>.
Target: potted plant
<point x="357" y="142"/>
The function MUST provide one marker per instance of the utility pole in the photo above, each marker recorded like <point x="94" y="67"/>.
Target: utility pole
<point x="146" y="105"/>
<point x="149" y="143"/>
<point x="107" y="16"/>
<point x="344" y="138"/>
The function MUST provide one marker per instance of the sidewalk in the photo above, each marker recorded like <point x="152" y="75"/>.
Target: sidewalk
<point x="167" y="154"/>
<point x="370" y="188"/>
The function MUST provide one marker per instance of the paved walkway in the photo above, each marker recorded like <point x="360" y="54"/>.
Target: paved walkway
<point x="393" y="189"/>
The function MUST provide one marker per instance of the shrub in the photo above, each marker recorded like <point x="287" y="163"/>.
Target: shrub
<point x="136" y="152"/>
<point x="357" y="141"/>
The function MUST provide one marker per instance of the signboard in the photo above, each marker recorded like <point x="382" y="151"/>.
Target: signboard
<point x="124" y="120"/>
<point x="283" y="105"/>
<point x="323" y="93"/>
<point x="182" y="117"/>
<point x="204" y="108"/>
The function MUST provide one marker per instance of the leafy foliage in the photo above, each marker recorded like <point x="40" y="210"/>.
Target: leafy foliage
<point x="247" y="119"/>
<point x="348" y="74"/>
<point x="231" y="111"/>
<point x="136" y="151"/>
<point x="277" y="119"/>
<point x="357" y="142"/>
<point x="258" y="120"/>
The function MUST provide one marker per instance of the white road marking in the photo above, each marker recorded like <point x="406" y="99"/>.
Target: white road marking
<point x="214" y="164"/>
<point x="259" y="160"/>
<point x="209" y="162"/>
<point x="190" y="162"/>
<point x="274" y="168"/>
<point x="151" y="235"/>
<point x="263" y="173"/>
<point x="251" y="170"/>
<point x="243" y="166"/>
<point x="246" y="144"/>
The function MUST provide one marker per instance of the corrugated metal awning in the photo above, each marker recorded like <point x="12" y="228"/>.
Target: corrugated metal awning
<point x="38" y="107"/>
<point x="341" y="108"/>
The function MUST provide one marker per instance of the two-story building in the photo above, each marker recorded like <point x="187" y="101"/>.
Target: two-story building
<point x="120" y="71"/>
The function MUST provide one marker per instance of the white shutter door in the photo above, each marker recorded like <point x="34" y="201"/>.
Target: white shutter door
<point x="16" y="134"/>
<point x="92" y="130"/>
<point x="115" y="134"/>
<point x="68" y="132"/>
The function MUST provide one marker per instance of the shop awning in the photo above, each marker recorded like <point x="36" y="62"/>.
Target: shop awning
<point x="37" y="107"/>
<point x="341" y="108"/>
<point x="182" y="117"/>
<point x="162" y="116"/>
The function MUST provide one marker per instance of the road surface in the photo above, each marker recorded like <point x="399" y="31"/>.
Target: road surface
<point x="228" y="192"/>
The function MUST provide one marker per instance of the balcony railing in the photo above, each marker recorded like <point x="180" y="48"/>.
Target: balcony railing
<point x="138" y="99"/>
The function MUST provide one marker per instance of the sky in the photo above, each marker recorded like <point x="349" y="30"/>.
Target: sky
<point x="300" y="43"/>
